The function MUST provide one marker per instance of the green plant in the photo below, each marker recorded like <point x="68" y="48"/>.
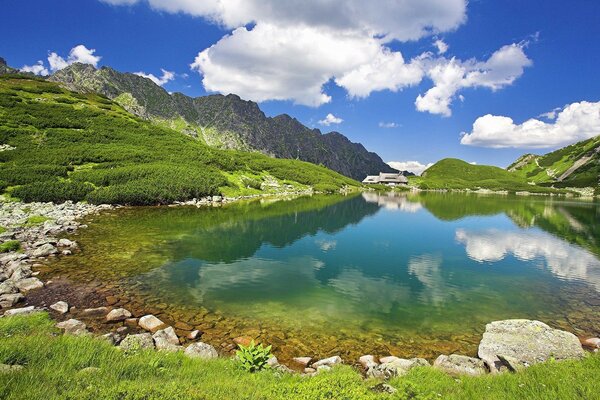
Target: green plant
<point x="36" y="220"/>
<point x="254" y="357"/>
<point x="11" y="245"/>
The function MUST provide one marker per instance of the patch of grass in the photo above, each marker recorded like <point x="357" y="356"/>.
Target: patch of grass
<point x="54" y="363"/>
<point x="36" y="220"/>
<point x="2" y="229"/>
<point x="11" y="245"/>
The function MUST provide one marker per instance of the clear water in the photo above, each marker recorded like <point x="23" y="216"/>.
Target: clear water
<point x="408" y="275"/>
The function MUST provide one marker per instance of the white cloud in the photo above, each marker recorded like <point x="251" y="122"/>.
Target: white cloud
<point x="575" y="122"/>
<point x="166" y="77"/>
<point x="562" y="258"/>
<point x="389" y="125"/>
<point x="330" y="119"/>
<point x="415" y="167"/>
<point x="449" y="76"/>
<point x="78" y="54"/>
<point x="38" y="69"/>
<point x="441" y="46"/>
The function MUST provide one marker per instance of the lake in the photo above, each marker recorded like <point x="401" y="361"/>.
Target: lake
<point x="410" y="274"/>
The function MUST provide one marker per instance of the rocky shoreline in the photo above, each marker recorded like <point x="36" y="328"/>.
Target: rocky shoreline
<point x="509" y="345"/>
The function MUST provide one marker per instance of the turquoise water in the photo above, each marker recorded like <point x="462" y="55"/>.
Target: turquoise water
<point x="410" y="274"/>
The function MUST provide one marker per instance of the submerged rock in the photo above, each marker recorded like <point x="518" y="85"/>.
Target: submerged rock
<point x="201" y="350"/>
<point x="527" y="341"/>
<point x="456" y="364"/>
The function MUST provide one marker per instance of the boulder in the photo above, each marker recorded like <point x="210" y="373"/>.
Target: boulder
<point x="166" y="339"/>
<point x="367" y="361"/>
<point x="60" y="306"/>
<point x="527" y="341"/>
<point x="10" y="300"/>
<point x="118" y="314"/>
<point x="28" y="284"/>
<point x="8" y="287"/>
<point x="456" y="364"/>
<point x="22" y="271"/>
<point x="395" y="367"/>
<point x="302" y="361"/>
<point x="331" y="361"/>
<point x="151" y="323"/>
<point x="133" y="343"/>
<point x="20" y="311"/>
<point x="73" y="327"/>
<point x="272" y="362"/>
<point x="44" y="250"/>
<point x="201" y="350"/>
<point x="389" y="359"/>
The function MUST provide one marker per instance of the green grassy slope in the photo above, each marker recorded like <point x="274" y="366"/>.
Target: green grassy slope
<point x="451" y="173"/>
<point x="549" y="169"/>
<point x="70" y="146"/>
<point x="55" y="368"/>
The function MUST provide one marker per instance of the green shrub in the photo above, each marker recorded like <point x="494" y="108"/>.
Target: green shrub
<point x="11" y="245"/>
<point x="36" y="220"/>
<point x="253" y="357"/>
<point x="251" y="183"/>
<point x="53" y="191"/>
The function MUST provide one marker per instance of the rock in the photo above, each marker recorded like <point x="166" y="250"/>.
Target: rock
<point x="66" y="243"/>
<point x="193" y="335"/>
<point x="112" y="338"/>
<point x="73" y="327"/>
<point x="367" y="361"/>
<point x="8" y="287"/>
<point x="456" y="364"/>
<point x="118" y="314"/>
<point x="166" y="339"/>
<point x="66" y="252"/>
<point x="122" y="329"/>
<point x="21" y="272"/>
<point x="272" y="362"/>
<point x="201" y="350"/>
<point x="323" y="368"/>
<point x="133" y="343"/>
<point x="527" y="341"/>
<point x="593" y="343"/>
<point x="44" y="250"/>
<point x="20" y="311"/>
<point x="7" y="368"/>
<point x="327" y="361"/>
<point x="384" y="388"/>
<point x="308" y="370"/>
<point x="302" y="361"/>
<point x="28" y="284"/>
<point x="95" y="312"/>
<point x="151" y="323"/>
<point x="183" y="326"/>
<point x="132" y="322"/>
<point x="243" y="340"/>
<point x="512" y="363"/>
<point x="389" y="359"/>
<point x="395" y="367"/>
<point x="10" y="300"/>
<point x="216" y="199"/>
<point x="60" y="307"/>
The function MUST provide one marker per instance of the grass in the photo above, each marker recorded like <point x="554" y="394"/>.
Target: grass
<point x="36" y="220"/>
<point x="11" y="245"/>
<point x="2" y="229"/>
<point x="54" y="369"/>
<point x="71" y="146"/>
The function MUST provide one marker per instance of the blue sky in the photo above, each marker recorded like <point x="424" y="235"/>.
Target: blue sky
<point x="553" y="63"/>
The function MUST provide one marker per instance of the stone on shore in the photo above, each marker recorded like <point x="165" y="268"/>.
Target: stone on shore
<point x="367" y="361"/>
<point x="529" y="342"/>
<point x="66" y="243"/>
<point x="22" y="271"/>
<point x="166" y="339"/>
<point x="201" y="350"/>
<point x="137" y="342"/>
<point x="456" y="365"/>
<point x="44" y="250"/>
<point x="302" y="361"/>
<point x="20" y="311"/>
<point x="118" y="314"/>
<point x="395" y="367"/>
<point x="28" y="284"/>
<point x="331" y="361"/>
<point x="151" y="323"/>
<point x="592" y="343"/>
<point x="272" y="362"/>
<point x="8" y="287"/>
<point x="60" y="306"/>
<point x="193" y="335"/>
<point x="73" y="327"/>
<point x="112" y="338"/>
<point x="10" y="300"/>
<point x="95" y="312"/>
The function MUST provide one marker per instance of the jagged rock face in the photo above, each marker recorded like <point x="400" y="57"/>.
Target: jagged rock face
<point x="226" y="121"/>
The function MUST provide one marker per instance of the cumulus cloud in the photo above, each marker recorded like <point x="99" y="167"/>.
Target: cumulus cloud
<point x="451" y="75"/>
<point x="78" y="54"/>
<point x="330" y="119"/>
<point x="38" y="68"/>
<point x="441" y="46"/>
<point x="415" y="167"/>
<point x="166" y="77"/>
<point x="389" y="125"/>
<point x="562" y="258"/>
<point x="575" y="122"/>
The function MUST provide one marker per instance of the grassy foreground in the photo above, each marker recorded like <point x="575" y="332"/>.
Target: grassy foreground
<point x="55" y="369"/>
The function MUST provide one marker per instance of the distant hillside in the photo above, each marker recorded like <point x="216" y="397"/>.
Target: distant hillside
<point x="452" y="173"/>
<point x="57" y="145"/>
<point x="577" y="165"/>
<point x="225" y="122"/>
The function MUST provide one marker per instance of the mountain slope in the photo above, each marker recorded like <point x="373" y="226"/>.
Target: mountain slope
<point x="225" y="122"/>
<point x="57" y="145"/>
<point x="577" y="165"/>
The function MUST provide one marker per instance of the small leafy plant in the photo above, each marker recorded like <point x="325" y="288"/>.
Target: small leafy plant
<point x="254" y="357"/>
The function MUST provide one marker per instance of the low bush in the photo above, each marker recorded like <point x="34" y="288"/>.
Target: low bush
<point x="253" y="357"/>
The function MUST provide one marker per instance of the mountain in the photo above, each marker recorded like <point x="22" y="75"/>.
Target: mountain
<point x="58" y="145"/>
<point x="5" y="69"/>
<point x="577" y="165"/>
<point x="225" y="122"/>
